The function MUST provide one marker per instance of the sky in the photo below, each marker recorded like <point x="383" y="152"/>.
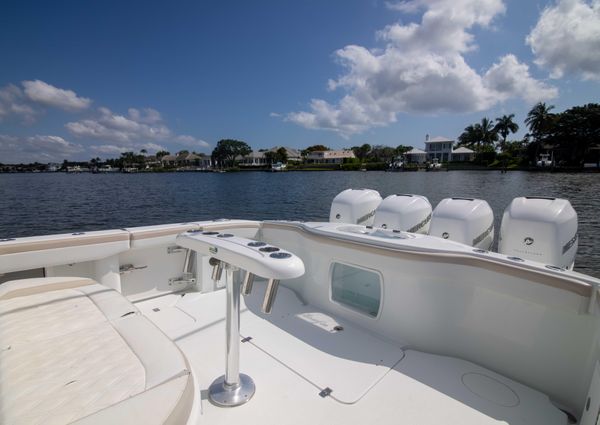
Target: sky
<point x="80" y="80"/>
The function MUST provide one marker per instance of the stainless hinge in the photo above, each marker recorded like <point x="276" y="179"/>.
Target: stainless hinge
<point x="182" y="280"/>
<point x="327" y="391"/>
<point x="175" y="248"/>
<point x="128" y="268"/>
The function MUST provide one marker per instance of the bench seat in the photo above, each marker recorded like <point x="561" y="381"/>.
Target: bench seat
<point x="74" y="351"/>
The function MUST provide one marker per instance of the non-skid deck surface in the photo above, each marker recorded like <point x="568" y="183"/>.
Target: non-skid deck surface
<point x="335" y="354"/>
<point x="294" y="353"/>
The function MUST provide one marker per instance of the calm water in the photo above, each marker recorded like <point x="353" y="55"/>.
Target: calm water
<point x="38" y="204"/>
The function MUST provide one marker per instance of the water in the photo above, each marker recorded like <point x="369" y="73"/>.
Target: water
<point x="39" y="204"/>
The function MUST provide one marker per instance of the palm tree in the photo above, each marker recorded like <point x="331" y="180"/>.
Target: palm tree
<point x="539" y="120"/>
<point x="504" y="126"/>
<point x="489" y="135"/>
<point x="471" y="136"/>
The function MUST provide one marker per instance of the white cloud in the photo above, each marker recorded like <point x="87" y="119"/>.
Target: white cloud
<point x="46" y="94"/>
<point x="510" y="78"/>
<point x="444" y="24"/>
<point x="108" y="149"/>
<point x="117" y="150"/>
<point x="13" y="103"/>
<point x="26" y="104"/>
<point x="146" y="115"/>
<point x="421" y="69"/>
<point x="38" y="148"/>
<point x="191" y="141"/>
<point x="139" y="130"/>
<point x="118" y="129"/>
<point x="566" y="39"/>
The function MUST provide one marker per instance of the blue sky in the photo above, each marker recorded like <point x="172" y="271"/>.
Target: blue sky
<point x="85" y="79"/>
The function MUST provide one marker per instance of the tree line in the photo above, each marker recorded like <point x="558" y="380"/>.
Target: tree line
<point x="570" y="135"/>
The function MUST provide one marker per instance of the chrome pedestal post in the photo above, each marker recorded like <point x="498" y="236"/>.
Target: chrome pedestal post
<point x="233" y="388"/>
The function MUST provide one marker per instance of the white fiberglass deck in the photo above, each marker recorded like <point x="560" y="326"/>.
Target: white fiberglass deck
<point x="294" y="354"/>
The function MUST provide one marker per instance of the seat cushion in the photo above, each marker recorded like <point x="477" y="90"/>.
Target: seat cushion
<point x="71" y="348"/>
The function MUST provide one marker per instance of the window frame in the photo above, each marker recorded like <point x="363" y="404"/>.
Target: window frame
<point x="361" y="313"/>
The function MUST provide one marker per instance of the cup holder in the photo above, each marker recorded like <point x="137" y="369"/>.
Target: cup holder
<point x="269" y="249"/>
<point x="257" y="244"/>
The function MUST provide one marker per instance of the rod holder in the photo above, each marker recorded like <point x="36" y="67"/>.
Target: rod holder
<point x="270" y="295"/>
<point x="233" y="388"/>
<point x="247" y="283"/>
<point x="217" y="270"/>
<point x="188" y="262"/>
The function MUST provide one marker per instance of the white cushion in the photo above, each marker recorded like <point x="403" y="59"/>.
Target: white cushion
<point x="18" y="288"/>
<point x="160" y="357"/>
<point x="70" y="352"/>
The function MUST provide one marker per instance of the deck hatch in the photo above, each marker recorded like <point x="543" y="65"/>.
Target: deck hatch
<point x="305" y="340"/>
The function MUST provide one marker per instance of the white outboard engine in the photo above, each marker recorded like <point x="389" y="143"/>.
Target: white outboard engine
<point x="410" y="213"/>
<point x="355" y="206"/>
<point x="466" y="220"/>
<point x="540" y="229"/>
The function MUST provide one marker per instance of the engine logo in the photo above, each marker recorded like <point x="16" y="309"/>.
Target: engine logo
<point x="445" y="235"/>
<point x="528" y="241"/>
<point x="213" y="249"/>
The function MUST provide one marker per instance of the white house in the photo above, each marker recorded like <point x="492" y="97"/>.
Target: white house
<point x="463" y="154"/>
<point x="440" y="148"/>
<point x="253" y="159"/>
<point x="329" y="157"/>
<point x="415" y="156"/>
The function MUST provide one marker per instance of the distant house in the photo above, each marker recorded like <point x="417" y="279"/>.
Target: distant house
<point x="463" y="154"/>
<point x="329" y="157"/>
<point x="186" y="159"/>
<point x="197" y="160"/>
<point x="168" y="160"/>
<point x="259" y="159"/>
<point x="415" y="156"/>
<point x="151" y="161"/>
<point x="253" y="159"/>
<point x="292" y="154"/>
<point x="440" y="148"/>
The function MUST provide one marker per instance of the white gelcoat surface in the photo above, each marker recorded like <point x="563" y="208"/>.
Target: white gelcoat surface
<point x="421" y="389"/>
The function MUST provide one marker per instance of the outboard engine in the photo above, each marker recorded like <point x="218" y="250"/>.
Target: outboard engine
<point x="466" y="220"/>
<point x="540" y="229"/>
<point x="355" y="206"/>
<point x="410" y="213"/>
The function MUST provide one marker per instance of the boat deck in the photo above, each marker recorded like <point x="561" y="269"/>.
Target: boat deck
<point x="298" y="351"/>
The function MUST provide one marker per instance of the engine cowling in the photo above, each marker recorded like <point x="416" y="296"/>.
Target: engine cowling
<point x="466" y="220"/>
<point x="355" y="206"/>
<point x="409" y="213"/>
<point x="540" y="229"/>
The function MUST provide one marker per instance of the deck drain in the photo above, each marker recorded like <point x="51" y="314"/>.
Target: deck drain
<point x="156" y="309"/>
<point x="338" y="328"/>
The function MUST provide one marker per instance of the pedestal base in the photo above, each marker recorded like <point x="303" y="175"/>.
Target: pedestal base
<point x="222" y="396"/>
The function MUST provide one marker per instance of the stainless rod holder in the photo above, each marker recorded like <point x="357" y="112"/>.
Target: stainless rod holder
<point x="233" y="388"/>
<point x="270" y="295"/>
<point x="247" y="283"/>
<point x="217" y="270"/>
<point x="188" y="262"/>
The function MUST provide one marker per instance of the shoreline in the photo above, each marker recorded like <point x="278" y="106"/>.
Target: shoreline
<point x="569" y="170"/>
